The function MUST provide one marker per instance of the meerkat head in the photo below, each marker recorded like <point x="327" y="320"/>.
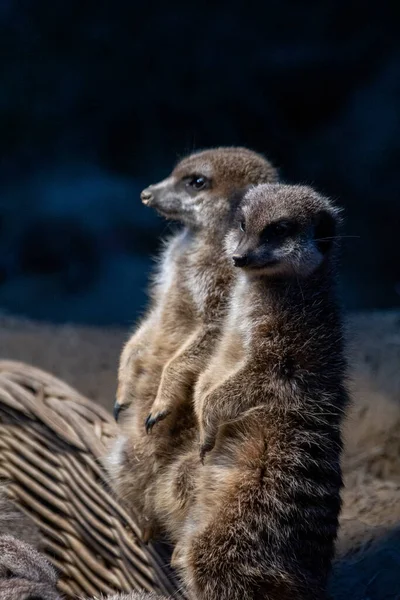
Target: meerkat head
<point x="282" y="231"/>
<point x="200" y="190"/>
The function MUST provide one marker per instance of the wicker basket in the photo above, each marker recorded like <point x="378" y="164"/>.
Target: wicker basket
<point x="52" y="442"/>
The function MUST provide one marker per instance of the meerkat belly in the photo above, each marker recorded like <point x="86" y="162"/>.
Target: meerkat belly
<point x="197" y="284"/>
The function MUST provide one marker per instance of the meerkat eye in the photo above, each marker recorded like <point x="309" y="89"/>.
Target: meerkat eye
<point x="277" y="231"/>
<point x="281" y="229"/>
<point x="242" y="226"/>
<point x="197" y="182"/>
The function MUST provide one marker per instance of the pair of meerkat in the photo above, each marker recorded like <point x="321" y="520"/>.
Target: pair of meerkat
<point x="264" y="425"/>
<point x="161" y="362"/>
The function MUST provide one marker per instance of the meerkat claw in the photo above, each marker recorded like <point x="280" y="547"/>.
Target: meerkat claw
<point x="152" y="420"/>
<point x="205" y="447"/>
<point x="149" y="423"/>
<point x="147" y="534"/>
<point x="118" y="408"/>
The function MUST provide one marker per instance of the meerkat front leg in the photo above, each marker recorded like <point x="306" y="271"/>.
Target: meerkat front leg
<point x="180" y="374"/>
<point x="219" y="405"/>
<point x="132" y="364"/>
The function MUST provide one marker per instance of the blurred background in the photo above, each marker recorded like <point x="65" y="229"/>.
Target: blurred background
<point x="99" y="99"/>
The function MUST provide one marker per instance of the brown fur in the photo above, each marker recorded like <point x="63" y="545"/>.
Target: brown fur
<point x="24" y="573"/>
<point x="270" y="406"/>
<point x="161" y="362"/>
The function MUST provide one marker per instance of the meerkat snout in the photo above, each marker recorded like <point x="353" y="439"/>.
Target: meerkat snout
<point x="239" y="260"/>
<point x="146" y="196"/>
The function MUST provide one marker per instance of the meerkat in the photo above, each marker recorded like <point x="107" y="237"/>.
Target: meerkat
<point x="265" y="513"/>
<point x="160" y="363"/>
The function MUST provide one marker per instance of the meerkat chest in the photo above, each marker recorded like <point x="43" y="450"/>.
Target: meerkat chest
<point x="239" y="318"/>
<point x="197" y="283"/>
<point x="232" y="349"/>
<point x="170" y="276"/>
<point x="206" y="279"/>
<point x="175" y="310"/>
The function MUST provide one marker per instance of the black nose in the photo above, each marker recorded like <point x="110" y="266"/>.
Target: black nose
<point x="240" y="261"/>
<point x="146" y="196"/>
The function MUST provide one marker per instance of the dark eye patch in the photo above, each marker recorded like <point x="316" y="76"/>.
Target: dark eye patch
<point x="278" y="230"/>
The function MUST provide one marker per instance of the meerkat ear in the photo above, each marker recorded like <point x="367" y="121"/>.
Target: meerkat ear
<point x="325" y="229"/>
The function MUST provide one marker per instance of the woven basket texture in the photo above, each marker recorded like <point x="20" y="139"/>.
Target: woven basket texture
<point x="52" y="443"/>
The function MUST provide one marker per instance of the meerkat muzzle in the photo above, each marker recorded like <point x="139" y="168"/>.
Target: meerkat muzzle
<point x="146" y="197"/>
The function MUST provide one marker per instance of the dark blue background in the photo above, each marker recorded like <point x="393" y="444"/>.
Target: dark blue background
<point x="98" y="99"/>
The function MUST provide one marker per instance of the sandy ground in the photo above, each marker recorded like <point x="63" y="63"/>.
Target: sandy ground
<point x="85" y="357"/>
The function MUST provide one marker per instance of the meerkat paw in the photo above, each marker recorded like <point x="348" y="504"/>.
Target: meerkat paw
<point x="128" y="381"/>
<point x="123" y="399"/>
<point x="148" y="533"/>
<point x="177" y="556"/>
